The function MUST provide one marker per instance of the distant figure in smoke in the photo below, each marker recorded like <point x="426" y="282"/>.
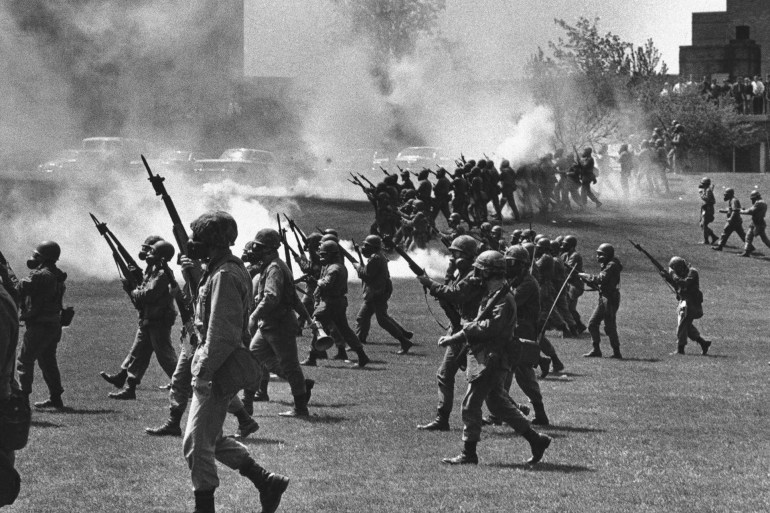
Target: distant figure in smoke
<point x="661" y="164"/>
<point x="706" y="193"/>
<point x="508" y="182"/>
<point x="626" y="161"/>
<point x="588" y="177"/>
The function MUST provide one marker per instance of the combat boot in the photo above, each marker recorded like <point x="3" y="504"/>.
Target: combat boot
<point x="362" y="358"/>
<point x="545" y="366"/>
<point x="52" y="402"/>
<point x="341" y="354"/>
<point x="170" y="428"/>
<point x="270" y="485"/>
<point x="558" y="366"/>
<point x="541" y="419"/>
<point x="126" y="394"/>
<point x="405" y="346"/>
<point x="538" y="443"/>
<point x="440" y="423"/>
<point x="704" y="345"/>
<point x="261" y="395"/>
<point x="594" y="353"/>
<point x="204" y="502"/>
<point x="310" y="361"/>
<point x="300" y="407"/>
<point x="247" y="428"/>
<point x="117" y="380"/>
<point x="467" y="457"/>
<point x="248" y="401"/>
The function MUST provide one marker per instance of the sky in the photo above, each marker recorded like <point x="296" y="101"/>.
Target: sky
<point x="284" y="37"/>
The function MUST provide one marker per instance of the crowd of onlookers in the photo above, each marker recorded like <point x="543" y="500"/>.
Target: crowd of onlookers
<point x="749" y="95"/>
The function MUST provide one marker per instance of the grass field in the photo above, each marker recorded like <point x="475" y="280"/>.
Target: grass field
<point x="650" y="433"/>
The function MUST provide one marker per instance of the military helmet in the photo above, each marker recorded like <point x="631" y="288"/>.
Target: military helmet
<point x="374" y="242"/>
<point x="755" y="195"/>
<point x="678" y="264"/>
<point x="587" y="151"/>
<point x="466" y="245"/>
<point x="481" y="164"/>
<point x="544" y="243"/>
<point x="419" y="204"/>
<point x="313" y="238"/>
<point x="517" y="253"/>
<point x="328" y="247"/>
<point x="163" y="249"/>
<point x="216" y="228"/>
<point x="485" y="226"/>
<point x="331" y="231"/>
<point x="528" y="234"/>
<point x="48" y="251"/>
<point x="329" y="237"/>
<point x="490" y="260"/>
<point x="423" y="175"/>
<point x="440" y="171"/>
<point x="729" y="192"/>
<point x="705" y="182"/>
<point x="607" y="250"/>
<point x="151" y="239"/>
<point x="454" y="217"/>
<point x="555" y="245"/>
<point x="505" y="163"/>
<point x="529" y="248"/>
<point x="391" y="179"/>
<point x="570" y="242"/>
<point x="268" y="238"/>
<point x="497" y="230"/>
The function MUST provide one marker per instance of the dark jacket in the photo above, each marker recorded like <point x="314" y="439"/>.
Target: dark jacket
<point x="276" y="297"/>
<point x="375" y="277"/>
<point x="689" y="291"/>
<point x="41" y="295"/>
<point x="527" y="297"/>
<point x="153" y="298"/>
<point x="491" y="340"/>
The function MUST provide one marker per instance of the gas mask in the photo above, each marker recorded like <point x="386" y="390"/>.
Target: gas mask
<point x="34" y="262"/>
<point x="197" y="250"/>
<point x="367" y="251"/>
<point x="143" y="253"/>
<point x="254" y="254"/>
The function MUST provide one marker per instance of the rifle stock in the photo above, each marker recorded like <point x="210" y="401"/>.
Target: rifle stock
<point x="132" y="275"/>
<point x="184" y="305"/>
<point x="661" y="270"/>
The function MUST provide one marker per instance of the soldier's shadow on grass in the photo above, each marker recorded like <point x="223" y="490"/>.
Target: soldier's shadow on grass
<point x="324" y="419"/>
<point x="314" y="404"/>
<point x="572" y="429"/>
<point x="260" y="441"/>
<point x="545" y="467"/>
<point x="44" y="424"/>
<point x="83" y="411"/>
<point x="644" y="360"/>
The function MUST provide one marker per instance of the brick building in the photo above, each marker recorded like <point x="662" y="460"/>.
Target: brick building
<point x="734" y="42"/>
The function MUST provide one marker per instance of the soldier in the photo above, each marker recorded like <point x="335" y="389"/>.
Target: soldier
<point x="406" y="181"/>
<point x="441" y="191"/>
<point x="331" y="300"/>
<point x="706" y="193"/>
<point x="424" y="188"/>
<point x="495" y="240"/>
<point x="608" y="284"/>
<point x="587" y="177"/>
<point x="575" y="288"/>
<point x="489" y="362"/>
<point x="478" y="201"/>
<point x="544" y="264"/>
<point x="515" y="238"/>
<point x="40" y="296"/>
<point x="460" y="299"/>
<point x="661" y="163"/>
<point x="419" y="226"/>
<point x="312" y="273"/>
<point x="626" y="161"/>
<point x="273" y="323"/>
<point x="456" y="226"/>
<point x="377" y="289"/>
<point x="560" y="274"/>
<point x="685" y="279"/>
<point x="10" y="480"/>
<point x="734" y="222"/>
<point x="491" y="178"/>
<point x="757" y="212"/>
<point x="155" y="303"/>
<point x="508" y="187"/>
<point x="460" y="198"/>
<point x="219" y="366"/>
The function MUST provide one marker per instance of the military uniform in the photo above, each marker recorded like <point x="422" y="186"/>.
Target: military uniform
<point x="734" y="223"/>
<point x="575" y="288"/>
<point x="9" y="338"/>
<point x="690" y="308"/>
<point x="41" y="295"/>
<point x="508" y="187"/>
<point x="608" y="284"/>
<point x="707" y="214"/>
<point x="757" y="211"/>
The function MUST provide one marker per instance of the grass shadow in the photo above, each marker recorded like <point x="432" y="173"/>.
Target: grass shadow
<point x="324" y="419"/>
<point x="44" y="424"/>
<point x="545" y="467"/>
<point x="84" y="411"/>
<point x="259" y="441"/>
<point x="572" y="429"/>
<point x="314" y="404"/>
<point x="644" y="360"/>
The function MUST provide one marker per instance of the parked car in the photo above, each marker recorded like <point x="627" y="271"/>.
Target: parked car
<point x="242" y="165"/>
<point x="179" y="160"/>
<point x="69" y="161"/>
<point x="117" y="152"/>
<point x="418" y="157"/>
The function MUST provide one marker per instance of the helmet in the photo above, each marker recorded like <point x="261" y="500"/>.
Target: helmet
<point x="441" y="171"/>
<point x="268" y="238"/>
<point x="151" y="239"/>
<point x="544" y="243"/>
<point x="405" y="173"/>
<point x="423" y="175"/>
<point x="529" y="248"/>
<point x="485" y="226"/>
<point x="391" y="179"/>
<point x="374" y="242"/>
<point x="497" y="230"/>
<point x="329" y="237"/>
<point x="607" y="250"/>
<point x="48" y="251"/>
<point x="455" y="217"/>
<point x="490" y="260"/>
<point x="328" y="247"/>
<point x="216" y="228"/>
<point x="705" y="182"/>
<point x="555" y="245"/>
<point x="314" y="239"/>
<point x="528" y="234"/>
<point x="570" y="242"/>
<point x="587" y="151"/>
<point x="678" y="264"/>
<point x="517" y="253"/>
<point x="729" y="192"/>
<point x="755" y="195"/>
<point x="331" y="231"/>
<point x="419" y="204"/>
<point x="163" y="249"/>
<point x="466" y="245"/>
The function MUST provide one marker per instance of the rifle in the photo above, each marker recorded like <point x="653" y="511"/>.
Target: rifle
<point x="443" y="238"/>
<point x="659" y="266"/>
<point x="296" y="237"/>
<point x="192" y="275"/>
<point x="367" y="181"/>
<point x="399" y="168"/>
<point x="186" y="311"/>
<point x="555" y="300"/>
<point x="358" y="251"/>
<point x="416" y="269"/>
<point x="484" y="314"/>
<point x="462" y="159"/>
<point x="347" y="255"/>
<point x="415" y="174"/>
<point x="286" y="248"/>
<point x="128" y="269"/>
<point x="385" y="171"/>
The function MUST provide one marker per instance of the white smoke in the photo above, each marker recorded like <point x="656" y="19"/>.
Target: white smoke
<point x="530" y="138"/>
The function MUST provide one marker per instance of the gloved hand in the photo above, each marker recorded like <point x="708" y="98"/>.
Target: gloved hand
<point x="425" y="280"/>
<point x="457" y="338"/>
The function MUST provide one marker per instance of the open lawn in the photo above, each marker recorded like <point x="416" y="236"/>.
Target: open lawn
<point x="650" y="433"/>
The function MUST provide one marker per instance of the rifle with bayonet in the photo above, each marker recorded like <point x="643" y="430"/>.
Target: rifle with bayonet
<point x="367" y="181"/>
<point x="128" y="269"/>
<point x="286" y="249"/>
<point x="192" y="275"/>
<point x="661" y="270"/>
<point x="300" y="243"/>
<point x="358" y="251"/>
<point x="385" y="171"/>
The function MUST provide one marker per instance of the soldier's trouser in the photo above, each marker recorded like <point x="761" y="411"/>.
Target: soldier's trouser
<point x="149" y="339"/>
<point x="203" y="441"/>
<point x="624" y="183"/>
<point x="333" y="315"/>
<point x="586" y="193"/>
<point x="573" y="294"/>
<point x="276" y="350"/>
<point x="728" y="230"/>
<point x="378" y="308"/>
<point x="446" y="380"/>
<point x="562" y="305"/>
<point x="527" y="381"/>
<point x="440" y="206"/>
<point x="494" y="197"/>
<point x="181" y="385"/>
<point x="39" y="345"/>
<point x="756" y="231"/>
<point x="663" y="178"/>
<point x="574" y="193"/>
<point x="685" y="328"/>
<point x="606" y="312"/>
<point x="508" y="198"/>
<point x="490" y="387"/>
<point x="461" y="207"/>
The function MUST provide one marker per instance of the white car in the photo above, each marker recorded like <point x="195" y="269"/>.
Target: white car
<point x="238" y="164"/>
